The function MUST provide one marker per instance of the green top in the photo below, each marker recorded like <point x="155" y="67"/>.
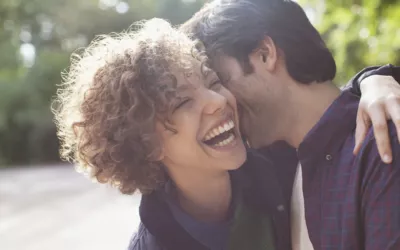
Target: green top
<point x="251" y="230"/>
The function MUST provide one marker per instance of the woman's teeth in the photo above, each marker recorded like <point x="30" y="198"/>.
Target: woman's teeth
<point x="226" y="141"/>
<point x="226" y="126"/>
<point x="221" y="135"/>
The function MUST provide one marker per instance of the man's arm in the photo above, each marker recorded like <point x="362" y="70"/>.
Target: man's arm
<point x="380" y="101"/>
<point x="380" y="192"/>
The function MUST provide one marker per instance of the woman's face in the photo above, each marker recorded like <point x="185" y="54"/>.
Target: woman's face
<point x="205" y="121"/>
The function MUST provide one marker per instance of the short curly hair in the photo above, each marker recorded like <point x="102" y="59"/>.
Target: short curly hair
<point x="110" y="99"/>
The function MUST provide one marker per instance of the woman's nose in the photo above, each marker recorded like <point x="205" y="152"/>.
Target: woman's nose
<point x="214" y="102"/>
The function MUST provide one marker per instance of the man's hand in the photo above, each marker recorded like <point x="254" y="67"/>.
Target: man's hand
<point x="380" y="101"/>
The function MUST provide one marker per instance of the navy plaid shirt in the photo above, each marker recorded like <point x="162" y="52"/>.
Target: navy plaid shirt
<point x="351" y="202"/>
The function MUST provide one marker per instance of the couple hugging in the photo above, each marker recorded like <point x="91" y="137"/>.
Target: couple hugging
<point x="233" y="132"/>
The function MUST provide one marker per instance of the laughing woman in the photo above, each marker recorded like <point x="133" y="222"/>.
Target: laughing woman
<point x="139" y="110"/>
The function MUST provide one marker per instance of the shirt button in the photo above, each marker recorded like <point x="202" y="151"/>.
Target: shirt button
<point x="281" y="208"/>
<point x="328" y="157"/>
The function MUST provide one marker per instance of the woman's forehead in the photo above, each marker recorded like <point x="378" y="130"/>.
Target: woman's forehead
<point x="195" y="80"/>
<point x="184" y="78"/>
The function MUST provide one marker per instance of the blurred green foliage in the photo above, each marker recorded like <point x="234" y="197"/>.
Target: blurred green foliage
<point x="38" y="36"/>
<point x="360" y="33"/>
<point x="51" y="30"/>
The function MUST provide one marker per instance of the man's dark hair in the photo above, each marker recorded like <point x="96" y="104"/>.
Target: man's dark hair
<point x="237" y="27"/>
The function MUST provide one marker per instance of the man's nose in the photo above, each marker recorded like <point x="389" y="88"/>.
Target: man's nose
<point x="214" y="102"/>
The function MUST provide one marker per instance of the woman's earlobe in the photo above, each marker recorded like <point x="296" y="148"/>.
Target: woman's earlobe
<point x="160" y="157"/>
<point x="157" y="155"/>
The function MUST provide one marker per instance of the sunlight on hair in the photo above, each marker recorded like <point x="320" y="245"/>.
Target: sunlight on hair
<point x="109" y="97"/>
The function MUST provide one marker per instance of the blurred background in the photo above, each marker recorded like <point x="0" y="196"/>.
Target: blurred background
<point x="43" y="203"/>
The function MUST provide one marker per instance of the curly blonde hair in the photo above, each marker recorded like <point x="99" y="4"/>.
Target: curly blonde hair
<point x="115" y="90"/>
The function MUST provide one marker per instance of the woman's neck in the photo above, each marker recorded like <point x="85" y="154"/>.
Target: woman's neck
<point x="206" y="197"/>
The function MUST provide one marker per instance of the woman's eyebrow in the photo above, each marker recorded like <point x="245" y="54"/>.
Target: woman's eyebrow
<point x="184" y="87"/>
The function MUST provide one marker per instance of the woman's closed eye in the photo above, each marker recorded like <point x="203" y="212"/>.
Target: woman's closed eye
<point x="181" y="103"/>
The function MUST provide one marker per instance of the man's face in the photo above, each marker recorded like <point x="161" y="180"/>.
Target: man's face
<point x="256" y="98"/>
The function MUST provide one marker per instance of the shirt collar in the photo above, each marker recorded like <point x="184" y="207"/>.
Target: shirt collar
<point x="335" y="124"/>
<point x="211" y="235"/>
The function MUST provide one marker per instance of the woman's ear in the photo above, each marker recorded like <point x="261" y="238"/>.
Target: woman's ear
<point x="160" y="156"/>
<point x="161" y="131"/>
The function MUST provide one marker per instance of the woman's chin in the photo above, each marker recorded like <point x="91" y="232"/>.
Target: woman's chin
<point x="234" y="153"/>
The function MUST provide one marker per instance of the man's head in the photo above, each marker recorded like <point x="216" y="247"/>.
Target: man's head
<point x="258" y="47"/>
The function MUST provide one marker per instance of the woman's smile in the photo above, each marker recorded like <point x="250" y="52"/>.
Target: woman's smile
<point x="222" y="136"/>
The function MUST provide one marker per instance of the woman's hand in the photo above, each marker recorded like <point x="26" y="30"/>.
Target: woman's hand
<point x="380" y="102"/>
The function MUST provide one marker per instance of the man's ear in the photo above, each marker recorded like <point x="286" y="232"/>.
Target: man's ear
<point x="265" y="56"/>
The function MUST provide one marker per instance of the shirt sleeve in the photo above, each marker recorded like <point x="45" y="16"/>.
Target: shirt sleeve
<point x="380" y="192"/>
<point x="387" y="70"/>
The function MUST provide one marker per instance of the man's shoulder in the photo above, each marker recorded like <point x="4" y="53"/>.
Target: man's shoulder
<point x="144" y="240"/>
<point x="369" y="154"/>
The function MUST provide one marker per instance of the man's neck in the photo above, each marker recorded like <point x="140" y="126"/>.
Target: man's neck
<point x="305" y="108"/>
<point x="206" y="197"/>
